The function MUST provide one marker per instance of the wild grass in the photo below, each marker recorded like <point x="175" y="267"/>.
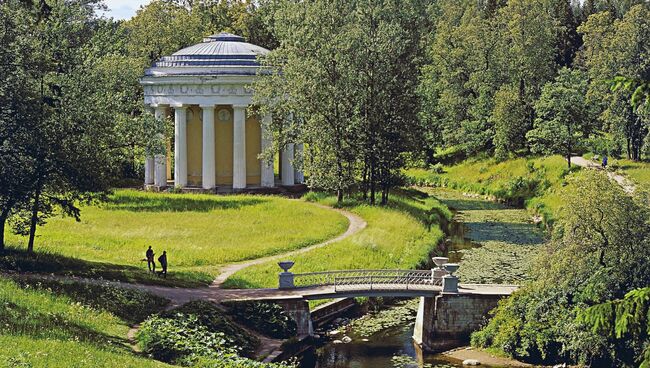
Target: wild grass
<point x="199" y="233"/>
<point x="397" y="236"/>
<point x="529" y="182"/>
<point x="41" y="329"/>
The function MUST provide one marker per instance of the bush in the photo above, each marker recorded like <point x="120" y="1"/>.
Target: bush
<point x="600" y="229"/>
<point x="182" y="338"/>
<point x="215" y="320"/>
<point x="516" y="191"/>
<point x="264" y="317"/>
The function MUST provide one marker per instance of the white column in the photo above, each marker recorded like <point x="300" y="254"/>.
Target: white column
<point x="160" y="161"/>
<point x="299" y="176"/>
<point x="239" y="147"/>
<point x="180" y="146"/>
<point x="287" y="165"/>
<point x="208" y="172"/>
<point x="267" y="179"/>
<point x="149" y="169"/>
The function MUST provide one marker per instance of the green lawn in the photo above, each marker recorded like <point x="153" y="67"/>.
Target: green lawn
<point x="41" y="329"/>
<point x="401" y="235"/>
<point x="199" y="233"/>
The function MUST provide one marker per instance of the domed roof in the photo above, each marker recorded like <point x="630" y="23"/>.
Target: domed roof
<point x="220" y="54"/>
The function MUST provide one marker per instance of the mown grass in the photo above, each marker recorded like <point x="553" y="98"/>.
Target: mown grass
<point x="199" y="233"/>
<point x="39" y="328"/>
<point x="529" y="182"/>
<point x="400" y="235"/>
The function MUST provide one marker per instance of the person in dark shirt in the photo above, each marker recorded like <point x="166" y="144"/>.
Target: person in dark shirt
<point x="163" y="264"/>
<point x="604" y="161"/>
<point x="151" y="263"/>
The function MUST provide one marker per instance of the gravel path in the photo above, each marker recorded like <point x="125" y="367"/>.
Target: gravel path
<point x="626" y="184"/>
<point x="356" y="224"/>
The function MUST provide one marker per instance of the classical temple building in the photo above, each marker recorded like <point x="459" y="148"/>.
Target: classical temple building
<point x="206" y="88"/>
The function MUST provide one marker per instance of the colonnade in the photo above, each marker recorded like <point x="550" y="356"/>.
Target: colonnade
<point x="156" y="167"/>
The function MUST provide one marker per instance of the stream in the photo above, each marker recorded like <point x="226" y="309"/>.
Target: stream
<point x="384" y="339"/>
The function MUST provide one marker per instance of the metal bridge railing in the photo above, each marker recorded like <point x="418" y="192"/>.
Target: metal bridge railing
<point x="370" y="279"/>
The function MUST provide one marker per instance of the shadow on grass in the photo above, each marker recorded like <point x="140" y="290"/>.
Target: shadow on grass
<point x="132" y="306"/>
<point x="18" y="260"/>
<point x="170" y="203"/>
<point x="20" y="320"/>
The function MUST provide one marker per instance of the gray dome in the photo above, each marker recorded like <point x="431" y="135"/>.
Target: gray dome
<point x="220" y="54"/>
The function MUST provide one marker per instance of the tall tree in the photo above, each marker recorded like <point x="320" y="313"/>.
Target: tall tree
<point x="618" y="47"/>
<point x="563" y="116"/>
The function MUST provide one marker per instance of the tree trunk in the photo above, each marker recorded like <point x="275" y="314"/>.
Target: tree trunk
<point x="33" y="221"/>
<point x="339" y="195"/>
<point x="568" y="160"/>
<point x="3" y="221"/>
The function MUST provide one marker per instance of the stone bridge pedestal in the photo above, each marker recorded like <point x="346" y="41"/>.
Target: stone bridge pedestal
<point x="446" y="321"/>
<point x="298" y="309"/>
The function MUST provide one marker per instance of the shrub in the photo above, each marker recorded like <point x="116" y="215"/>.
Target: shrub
<point x="516" y="191"/>
<point x="181" y="339"/>
<point x="214" y="319"/>
<point x="264" y="317"/>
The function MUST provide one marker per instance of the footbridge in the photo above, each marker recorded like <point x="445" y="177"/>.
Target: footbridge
<point x="449" y="311"/>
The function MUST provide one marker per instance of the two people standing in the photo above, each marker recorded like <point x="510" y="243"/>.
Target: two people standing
<point x="151" y="263"/>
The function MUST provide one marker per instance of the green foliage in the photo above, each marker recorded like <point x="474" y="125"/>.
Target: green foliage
<point x="510" y="122"/>
<point x="618" y="48"/>
<point x="600" y="229"/>
<point x="264" y="317"/>
<point x="130" y="305"/>
<point x="215" y="319"/>
<point x="198" y="334"/>
<point x="182" y="338"/>
<point x="563" y="115"/>
<point x="342" y="96"/>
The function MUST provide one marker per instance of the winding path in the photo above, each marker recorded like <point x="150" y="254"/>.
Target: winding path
<point x="356" y="224"/>
<point x="214" y="292"/>
<point x="624" y="182"/>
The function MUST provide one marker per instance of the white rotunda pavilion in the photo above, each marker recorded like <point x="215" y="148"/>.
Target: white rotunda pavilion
<point x="216" y="143"/>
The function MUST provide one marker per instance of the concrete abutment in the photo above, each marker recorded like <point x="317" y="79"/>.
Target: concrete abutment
<point x="445" y="321"/>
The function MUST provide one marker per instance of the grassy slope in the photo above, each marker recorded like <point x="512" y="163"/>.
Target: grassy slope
<point x="199" y="232"/>
<point x="40" y="329"/>
<point x="396" y="237"/>
<point x="490" y="177"/>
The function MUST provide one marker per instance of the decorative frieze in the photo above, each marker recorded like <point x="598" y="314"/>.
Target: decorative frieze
<point x="198" y="90"/>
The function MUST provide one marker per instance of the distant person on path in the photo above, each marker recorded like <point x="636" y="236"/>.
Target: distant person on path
<point x="163" y="263"/>
<point x="151" y="263"/>
<point x="604" y="161"/>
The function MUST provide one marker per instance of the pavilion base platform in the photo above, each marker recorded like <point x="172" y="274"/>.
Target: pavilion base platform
<point x="287" y="190"/>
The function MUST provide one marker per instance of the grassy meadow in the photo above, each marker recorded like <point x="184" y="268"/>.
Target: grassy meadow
<point x="41" y="328"/>
<point x="199" y="233"/>
<point x="528" y="182"/>
<point x="400" y="235"/>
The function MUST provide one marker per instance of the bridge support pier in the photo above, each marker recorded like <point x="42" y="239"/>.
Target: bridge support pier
<point x="446" y="321"/>
<point x="298" y="310"/>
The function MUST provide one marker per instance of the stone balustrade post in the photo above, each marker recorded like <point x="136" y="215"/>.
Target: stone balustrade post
<point x="286" y="278"/>
<point x="450" y="282"/>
